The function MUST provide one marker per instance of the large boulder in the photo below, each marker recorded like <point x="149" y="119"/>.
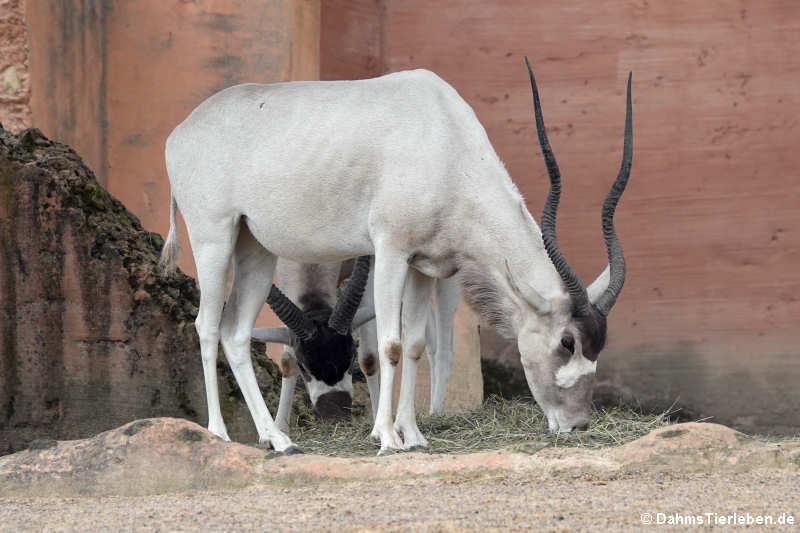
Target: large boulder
<point x="92" y="335"/>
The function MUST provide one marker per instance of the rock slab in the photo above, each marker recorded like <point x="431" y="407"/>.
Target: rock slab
<point x="167" y="455"/>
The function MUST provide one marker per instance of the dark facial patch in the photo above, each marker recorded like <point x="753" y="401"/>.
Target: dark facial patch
<point x="328" y="355"/>
<point x="592" y="328"/>
<point x="568" y="342"/>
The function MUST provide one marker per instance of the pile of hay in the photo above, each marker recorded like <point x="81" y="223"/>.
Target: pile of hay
<point x="499" y="423"/>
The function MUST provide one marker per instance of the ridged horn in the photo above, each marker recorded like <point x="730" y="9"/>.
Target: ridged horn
<point x="615" y="258"/>
<point x="346" y="306"/>
<point x="573" y="284"/>
<point x="290" y="314"/>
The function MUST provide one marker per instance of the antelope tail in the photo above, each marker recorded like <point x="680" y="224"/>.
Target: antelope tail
<point x="171" y="244"/>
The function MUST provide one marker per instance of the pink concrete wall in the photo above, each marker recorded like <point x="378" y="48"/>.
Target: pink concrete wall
<point x="67" y="72"/>
<point x="710" y="224"/>
<point x="352" y="39"/>
<point x="112" y="79"/>
<point x="188" y="52"/>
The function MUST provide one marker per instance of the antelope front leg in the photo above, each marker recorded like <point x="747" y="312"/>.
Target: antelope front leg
<point x="368" y="361"/>
<point x="368" y="348"/>
<point x="288" y="384"/>
<point x="390" y="275"/>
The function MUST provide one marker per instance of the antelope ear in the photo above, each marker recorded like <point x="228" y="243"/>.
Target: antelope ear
<point x="599" y="286"/>
<point x="529" y="293"/>
<point x="280" y="334"/>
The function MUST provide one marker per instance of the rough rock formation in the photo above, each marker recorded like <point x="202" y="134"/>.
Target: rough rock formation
<point x="92" y="335"/>
<point x="144" y="456"/>
<point x="157" y="456"/>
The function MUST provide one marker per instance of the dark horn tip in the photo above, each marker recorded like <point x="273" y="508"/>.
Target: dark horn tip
<point x="630" y="80"/>
<point x="571" y="281"/>
<point x="343" y="313"/>
<point x="615" y="256"/>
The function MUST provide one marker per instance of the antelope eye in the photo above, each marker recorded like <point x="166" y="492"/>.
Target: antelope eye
<point x="568" y="342"/>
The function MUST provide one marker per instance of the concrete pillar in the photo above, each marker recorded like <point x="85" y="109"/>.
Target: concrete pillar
<point x="114" y="78"/>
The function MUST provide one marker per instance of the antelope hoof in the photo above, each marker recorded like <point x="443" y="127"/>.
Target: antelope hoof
<point x="412" y="437"/>
<point x="220" y="433"/>
<point x="389" y="438"/>
<point x="292" y="450"/>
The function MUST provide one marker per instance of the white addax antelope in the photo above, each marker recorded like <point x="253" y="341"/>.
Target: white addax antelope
<point x="305" y="303"/>
<point x="398" y="167"/>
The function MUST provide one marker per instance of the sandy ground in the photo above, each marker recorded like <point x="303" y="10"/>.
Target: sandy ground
<point x="445" y="503"/>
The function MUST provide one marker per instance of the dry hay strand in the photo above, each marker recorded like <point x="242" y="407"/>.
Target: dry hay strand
<point x="499" y="423"/>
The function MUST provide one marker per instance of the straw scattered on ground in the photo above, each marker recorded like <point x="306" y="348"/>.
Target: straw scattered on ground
<point x="499" y="423"/>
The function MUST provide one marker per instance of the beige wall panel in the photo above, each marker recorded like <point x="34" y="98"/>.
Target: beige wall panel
<point x="709" y="223"/>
